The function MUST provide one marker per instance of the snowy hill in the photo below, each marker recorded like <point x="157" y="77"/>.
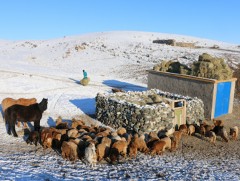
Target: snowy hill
<point x="53" y="68"/>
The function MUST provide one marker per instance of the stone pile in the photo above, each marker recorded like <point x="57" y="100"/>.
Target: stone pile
<point x="143" y="111"/>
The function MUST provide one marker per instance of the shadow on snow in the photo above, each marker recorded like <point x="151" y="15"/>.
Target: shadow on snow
<point x="124" y="85"/>
<point x="86" y="105"/>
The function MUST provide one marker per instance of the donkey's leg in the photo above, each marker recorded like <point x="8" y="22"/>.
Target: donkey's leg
<point x="37" y="125"/>
<point x="8" y="129"/>
<point x="14" y="131"/>
<point x="6" y="118"/>
<point x="12" y="125"/>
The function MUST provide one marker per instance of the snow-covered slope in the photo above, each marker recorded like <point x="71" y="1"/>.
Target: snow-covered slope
<point x="52" y="69"/>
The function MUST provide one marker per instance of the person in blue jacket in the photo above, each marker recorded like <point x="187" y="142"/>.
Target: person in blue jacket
<point x="85" y="74"/>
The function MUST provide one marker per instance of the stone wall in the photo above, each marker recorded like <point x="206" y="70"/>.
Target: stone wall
<point x="143" y="111"/>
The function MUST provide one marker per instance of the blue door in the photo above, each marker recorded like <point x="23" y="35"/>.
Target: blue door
<point x="222" y="98"/>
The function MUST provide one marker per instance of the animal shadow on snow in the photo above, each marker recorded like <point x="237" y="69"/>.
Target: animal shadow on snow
<point x="124" y="85"/>
<point x="86" y="105"/>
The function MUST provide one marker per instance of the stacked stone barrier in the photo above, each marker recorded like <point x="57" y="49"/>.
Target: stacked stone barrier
<point x="144" y="111"/>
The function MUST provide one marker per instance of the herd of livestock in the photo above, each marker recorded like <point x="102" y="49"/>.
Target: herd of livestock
<point x="93" y="143"/>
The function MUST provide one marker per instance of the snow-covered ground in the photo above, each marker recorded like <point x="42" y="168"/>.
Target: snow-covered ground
<point x="53" y="68"/>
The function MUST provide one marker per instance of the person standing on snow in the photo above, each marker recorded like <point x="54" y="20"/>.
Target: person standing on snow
<point x="85" y="74"/>
<point x="85" y="79"/>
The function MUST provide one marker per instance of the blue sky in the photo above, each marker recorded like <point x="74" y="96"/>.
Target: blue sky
<point x="48" y="19"/>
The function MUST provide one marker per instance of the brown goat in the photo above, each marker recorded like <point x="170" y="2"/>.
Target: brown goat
<point x="140" y="143"/>
<point x="217" y="122"/>
<point x="234" y="132"/>
<point x="76" y="123"/>
<point x="33" y="137"/>
<point x="177" y="135"/>
<point x="158" y="147"/>
<point x="221" y="131"/>
<point x="121" y="131"/>
<point x="69" y="151"/>
<point x="46" y="137"/>
<point x="173" y="144"/>
<point x="103" y="148"/>
<point x="212" y="137"/>
<point x="73" y="133"/>
<point x="183" y="128"/>
<point x="132" y="148"/>
<point x="202" y="130"/>
<point x="56" y="139"/>
<point x="118" y="148"/>
<point x="104" y="133"/>
<point x="168" y="142"/>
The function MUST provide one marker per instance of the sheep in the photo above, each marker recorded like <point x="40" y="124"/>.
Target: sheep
<point x="63" y="125"/>
<point x="58" y="120"/>
<point x="212" y="136"/>
<point x="209" y="127"/>
<point x="168" y="142"/>
<point x="56" y="139"/>
<point x="221" y="131"/>
<point x="76" y="123"/>
<point x="118" y="148"/>
<point x="151" y="141"/>
<point x="86" y="138"/>
<point x="132" y="150"/>
<point x="223" y="134"/>
<point x="46" y="137"/>
<point x="33" y="138"/>
<point x="104" y="133"/>
<point x="191" y="129"/>
<point x="183" y="128"/>
<point x="102" y="149"/>
<point x="177" y="135"/>
<point x="115" y="136"/>
<point x="73" y="133"/>
<point x="158" y="147"/>
<point x="128" y="137"/>
<point x="90" y="154"/>
<point x="69" y="151"/>
<point x="234" y="132"/>
<point x="173" y="144"/>
<point x="202" y="130"/>
<point x="217" y="122"/>
<point x="140" y="143"/>
<point x="74" y="151"/>
<point x="81" y="146"/>
<point x="153" y="135"/>
<point x="121" y="131"/>
<point x="107" y="141"/>
<point x="66" y="150"/>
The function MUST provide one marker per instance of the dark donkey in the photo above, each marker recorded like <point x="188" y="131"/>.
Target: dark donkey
<point x="31" y="113"/>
